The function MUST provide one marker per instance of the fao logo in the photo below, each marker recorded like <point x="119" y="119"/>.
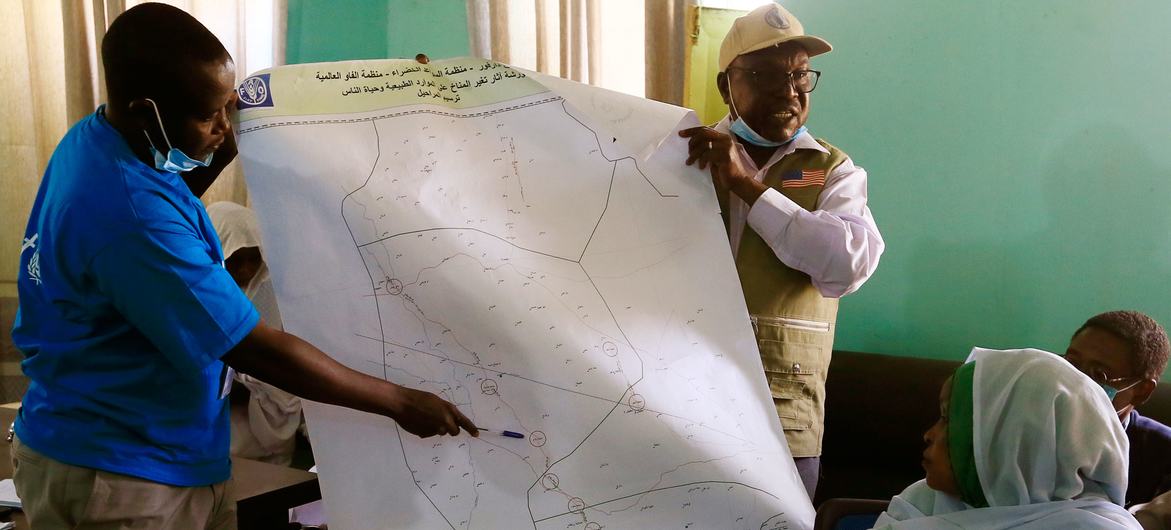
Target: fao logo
<point x="254" y="92"/>
<point x="775" y="19"/>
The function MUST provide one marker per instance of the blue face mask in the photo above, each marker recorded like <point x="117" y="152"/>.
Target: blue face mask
<point x="740" y="128"/>
<point x="176" y="160"/>
<point x="1111" y="391"/>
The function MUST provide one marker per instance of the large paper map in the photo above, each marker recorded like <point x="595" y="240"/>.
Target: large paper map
<point x="536" y="256"/>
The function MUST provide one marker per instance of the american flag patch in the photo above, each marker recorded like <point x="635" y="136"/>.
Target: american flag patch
<point x="803" y="178"/>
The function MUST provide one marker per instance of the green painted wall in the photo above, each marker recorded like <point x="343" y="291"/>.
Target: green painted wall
<point x="1019" y="164"/>
<point x="438" y="28"/>
<point x="321" y="30"/>
<point x="336" y="30"/>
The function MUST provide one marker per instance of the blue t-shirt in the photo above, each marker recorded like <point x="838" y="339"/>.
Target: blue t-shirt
<point x="125" y="310"/>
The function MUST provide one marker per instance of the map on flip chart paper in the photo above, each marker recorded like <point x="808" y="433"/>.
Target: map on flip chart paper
<point x="534" y="251"/>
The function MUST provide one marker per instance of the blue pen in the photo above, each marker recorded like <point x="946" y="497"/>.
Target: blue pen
<point x="509" y="434"/>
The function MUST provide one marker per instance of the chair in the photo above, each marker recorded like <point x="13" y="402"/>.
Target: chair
<point x="848" y="514"/>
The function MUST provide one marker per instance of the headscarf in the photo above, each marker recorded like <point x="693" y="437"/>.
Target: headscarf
<point x="238" y="229"/>
<point x="268" y="429"/>
<point x="1047" y="451"/>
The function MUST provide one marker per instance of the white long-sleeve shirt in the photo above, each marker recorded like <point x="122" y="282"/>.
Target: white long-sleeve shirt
<point x="838" y="244"/>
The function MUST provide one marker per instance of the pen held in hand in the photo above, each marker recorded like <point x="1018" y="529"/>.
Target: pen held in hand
<point x="508" y="434"/>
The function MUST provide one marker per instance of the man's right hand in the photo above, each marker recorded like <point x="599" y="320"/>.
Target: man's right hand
<point x="425" y="414"/>
<point x="295" y="366"/>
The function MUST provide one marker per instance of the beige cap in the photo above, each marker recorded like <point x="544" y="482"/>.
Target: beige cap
<point x="765" y="26"/>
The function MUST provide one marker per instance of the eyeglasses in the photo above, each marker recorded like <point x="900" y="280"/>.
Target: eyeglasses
<point x="803" y="81"/>
<point x="1099" y="375"/>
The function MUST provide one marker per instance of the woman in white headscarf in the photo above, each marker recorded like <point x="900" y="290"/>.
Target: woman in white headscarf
<point x="267" y="430"/>
<point x="1025" y="441"/>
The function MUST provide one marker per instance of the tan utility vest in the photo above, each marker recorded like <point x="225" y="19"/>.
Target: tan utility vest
<point x="794" y="324"/>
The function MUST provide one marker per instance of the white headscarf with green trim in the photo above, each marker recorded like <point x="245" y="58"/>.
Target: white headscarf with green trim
<point x="1048" y="448"/>
<point x="267" y="432"/>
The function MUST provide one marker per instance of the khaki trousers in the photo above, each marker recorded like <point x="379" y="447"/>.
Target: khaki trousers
<point x="56" y="495"/>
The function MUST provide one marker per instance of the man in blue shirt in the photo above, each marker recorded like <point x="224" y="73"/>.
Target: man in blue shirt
<point x="128" y="321"/>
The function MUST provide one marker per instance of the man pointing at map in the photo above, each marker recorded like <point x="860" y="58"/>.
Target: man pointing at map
<point x="795" y="208"/>
<point x="128" y="320"/>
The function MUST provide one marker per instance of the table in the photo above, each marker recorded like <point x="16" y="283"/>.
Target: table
<point x="264" y="492"/>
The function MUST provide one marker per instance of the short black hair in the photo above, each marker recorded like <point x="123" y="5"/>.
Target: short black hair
<point x="1146" y="338"/>
<point x="149" y="51"/>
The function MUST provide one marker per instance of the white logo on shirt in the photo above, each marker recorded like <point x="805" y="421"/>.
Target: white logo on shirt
<point x="34" y="267"/>
<point x="34" y="263"/>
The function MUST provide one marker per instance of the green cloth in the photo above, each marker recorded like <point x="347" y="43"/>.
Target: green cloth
<point x="960" y="437"/>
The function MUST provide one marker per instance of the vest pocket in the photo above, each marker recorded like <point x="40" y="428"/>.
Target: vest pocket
<point x="794" y="364"/>
<point x="788" y="323"/>
<point x="792" y="399"/>
<point x="795" y="354"/>
<point x="792" y="358"/>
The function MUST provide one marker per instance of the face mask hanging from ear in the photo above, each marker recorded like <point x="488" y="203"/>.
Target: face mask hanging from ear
<point x="740" y="128"/>
<point x="176" y="160"/>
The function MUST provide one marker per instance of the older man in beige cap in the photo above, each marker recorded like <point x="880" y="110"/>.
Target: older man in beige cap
<point x="812" y="238"/>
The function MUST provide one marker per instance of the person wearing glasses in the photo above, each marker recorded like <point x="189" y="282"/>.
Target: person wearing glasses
<point x="1125" y="352"/>
<point x="795" y="208"/>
